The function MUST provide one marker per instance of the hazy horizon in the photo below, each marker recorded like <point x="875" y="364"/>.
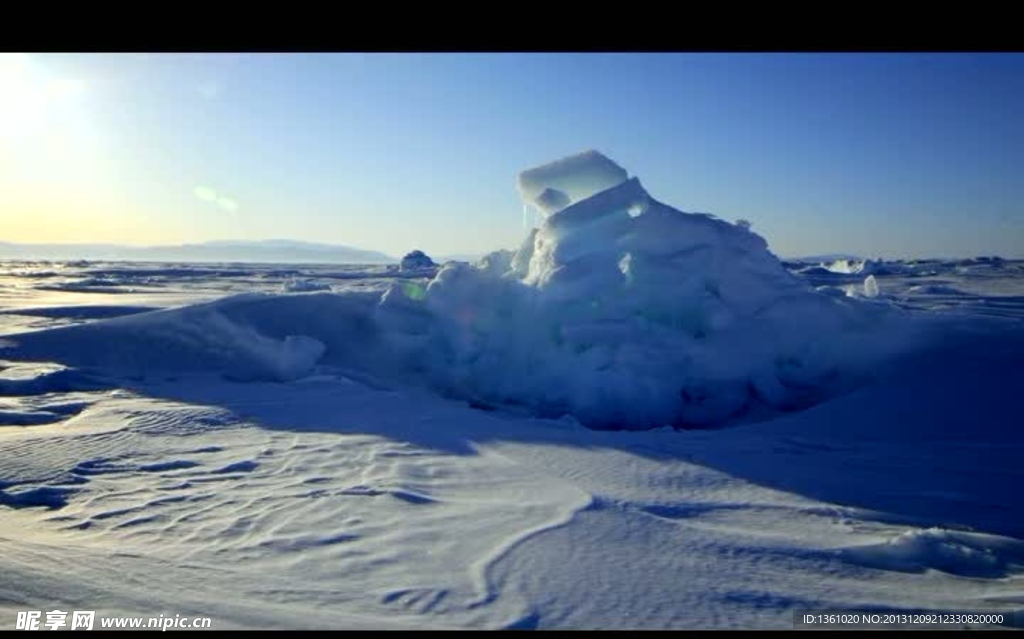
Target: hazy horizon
<point x="300" y="245"/>
<point x="897" y="155"/>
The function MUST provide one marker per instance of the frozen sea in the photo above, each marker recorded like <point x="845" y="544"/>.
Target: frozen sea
<point x="330" y="499"/>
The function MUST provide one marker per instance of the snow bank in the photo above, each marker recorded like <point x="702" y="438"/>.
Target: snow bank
<point x="617" y="309"/>
<point x="968" y="554"/>
<point x="239" y="336"/>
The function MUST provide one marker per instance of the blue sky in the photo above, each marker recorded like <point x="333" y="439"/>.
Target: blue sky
<point x="893" y="155"/>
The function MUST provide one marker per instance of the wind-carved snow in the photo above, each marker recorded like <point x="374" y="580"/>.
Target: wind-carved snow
<point x="337" y="516"/>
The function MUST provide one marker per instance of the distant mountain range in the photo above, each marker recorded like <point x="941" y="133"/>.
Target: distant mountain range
<point x="287" y="251"/>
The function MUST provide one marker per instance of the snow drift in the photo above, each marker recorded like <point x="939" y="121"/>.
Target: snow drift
<point x="617" y="309"/>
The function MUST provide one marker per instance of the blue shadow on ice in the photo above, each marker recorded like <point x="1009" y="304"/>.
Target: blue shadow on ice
<point x="936" y="438"/>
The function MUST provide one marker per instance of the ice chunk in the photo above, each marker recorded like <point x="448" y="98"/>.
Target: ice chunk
<point x="417" y="260"/>
<point x="864" y="267"/>
<point x="556" y="185"/>
<point x="520" y="264"/>
<point x="870" y="286"/>
<point x="615" y="201"/>
<point x="496" y="262"/>
<point x="551" y="200"/>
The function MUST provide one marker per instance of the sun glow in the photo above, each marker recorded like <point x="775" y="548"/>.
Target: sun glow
<point x="42" y="126"/>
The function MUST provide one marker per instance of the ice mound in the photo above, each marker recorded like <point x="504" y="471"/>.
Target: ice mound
<point x="628" y="313"/>
<point x="416" y="260"/>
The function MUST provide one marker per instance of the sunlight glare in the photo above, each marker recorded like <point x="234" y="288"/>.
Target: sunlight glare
<point x="205" y="193"/>
<point x="227" y="204"/>
<point x="42" y="132"/>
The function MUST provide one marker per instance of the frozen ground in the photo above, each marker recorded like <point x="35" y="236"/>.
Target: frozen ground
<point x="327" y="502"/>
<point x="278" y="447"/>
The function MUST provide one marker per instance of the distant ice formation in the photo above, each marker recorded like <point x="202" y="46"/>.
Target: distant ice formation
<point x="863" y="267"/>
<point x="870" y="286"/>
<point x="416" y="260"/>
<point x="304" y="286"/>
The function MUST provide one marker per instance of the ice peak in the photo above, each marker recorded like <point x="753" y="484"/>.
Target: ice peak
<point x="556" y="185"/>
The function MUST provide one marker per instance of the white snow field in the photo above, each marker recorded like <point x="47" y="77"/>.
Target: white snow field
<point x="639" y="419"/>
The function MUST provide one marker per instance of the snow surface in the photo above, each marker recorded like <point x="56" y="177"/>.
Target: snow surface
<point x="325" y="503"/>
<point x="406" y="450"/>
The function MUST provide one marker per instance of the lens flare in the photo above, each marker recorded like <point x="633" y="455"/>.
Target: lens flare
<point x="205" y="193"/>
<point x="414" y="291"/>
<point x="227" y="203"/>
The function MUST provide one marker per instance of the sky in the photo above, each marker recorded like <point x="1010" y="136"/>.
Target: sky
<point x="879" y="155"/>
